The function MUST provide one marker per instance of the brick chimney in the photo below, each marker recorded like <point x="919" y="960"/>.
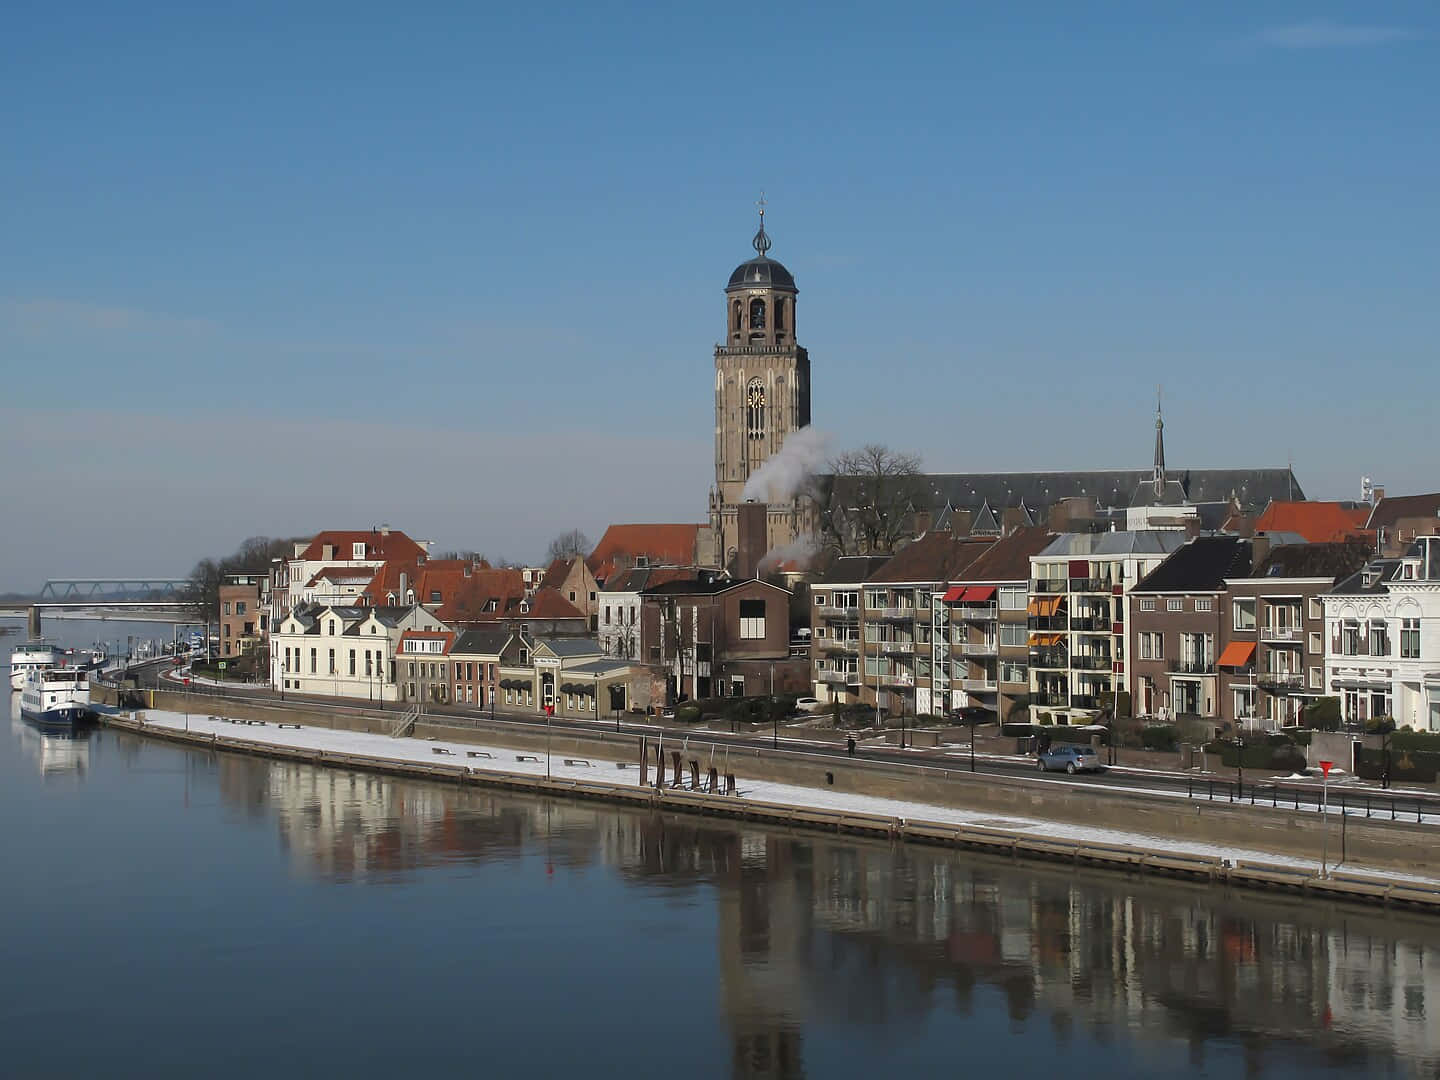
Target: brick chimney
<point x="751" y="520"/>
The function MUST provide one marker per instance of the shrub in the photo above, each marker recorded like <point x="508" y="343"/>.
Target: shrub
<point x="1379" y="725"/>
<point x="1322" y="714"/>
<point x="1159" y="737"/>
<point x="688" y="713"/>
<point x="1045" y="719"/>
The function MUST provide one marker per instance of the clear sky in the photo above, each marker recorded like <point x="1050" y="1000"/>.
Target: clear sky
<point x="273" y="268"/>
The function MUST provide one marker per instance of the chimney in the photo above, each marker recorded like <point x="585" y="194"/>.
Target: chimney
<point x="402" y="586"/>
<point x="1379" y="493"/>
<point x="751" y="520"/>
<point x="1259" y="551"/>
<point x="385" y="529"/>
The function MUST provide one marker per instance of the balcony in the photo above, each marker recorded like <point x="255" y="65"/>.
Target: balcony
<point x="1050" y="698"/>
<point x="972" y="613"/>
<point x="897" y="647"/>
<point x="982" y="685"/>
<point x="1090" y="585"/>
<point x="1280" y="680"/>
<point x="1052" y="661"/>
<point x="1090" y="625"/>
<point x="1084" y="701"/>
<point x="839" y="614"/>
<point x="898" y="678"/>
<point x="835" y="645"/>
<point x="1191" y="667"/>
<point x="1090" y="663"/>
<point x="1049" y="622"/>
<point x="1283" y="634"/>
<point x="1050" y="585"/>
<point x="976" y="648"/>
<point x="836" y="678"/>
<point x="901" y="614"/>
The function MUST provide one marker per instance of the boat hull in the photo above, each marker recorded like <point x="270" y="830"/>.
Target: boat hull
<point x="59" y="716"/>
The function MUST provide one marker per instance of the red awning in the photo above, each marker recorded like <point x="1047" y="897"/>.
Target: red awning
<point x="980" y="594"/>
<point x="1237" y="654"/>
<point x="952" y="595"/>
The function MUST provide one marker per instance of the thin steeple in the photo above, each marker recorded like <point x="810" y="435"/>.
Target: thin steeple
<point x="761" y="242"/>
<point x="1158" y="478"/>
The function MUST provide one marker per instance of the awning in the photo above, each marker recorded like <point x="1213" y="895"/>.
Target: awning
<point x="980" y="594"/>
<point x="953" y="594"/>
<point x="1237" y="654"/>
<point x="1044" y="606"/>
<point x="1045" y="641"/>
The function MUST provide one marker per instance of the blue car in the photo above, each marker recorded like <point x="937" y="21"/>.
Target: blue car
<point x="1071" y="758"/>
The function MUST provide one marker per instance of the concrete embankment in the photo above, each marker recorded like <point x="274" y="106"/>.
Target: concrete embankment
<point x="1206" y="827"/>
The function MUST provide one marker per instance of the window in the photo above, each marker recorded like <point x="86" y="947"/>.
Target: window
<point x="847" y="600"/>
<point x="1175" y="603"/>
<point x="1152" y="646"/>
<point x="1317" y="680"/>
<point x="524" y="656"/>
<point x="1315" y="646"/>
<point x="757" y="314"/>
<point x="352" y="662"/>
<point x="357" y="550"/>
<point x="1012" y="597"/>
<point x="1350" y="638"/>
<point x="755" y="404"/>
<point x="312" y="661"/>
<point x="752" y="619"/>
<point x="1379" y="644"/>
<point x="368" y="669"/>
<point x="876" y="598"/>
<point x="1013" y="634"/>
<point x="572" y="596"/>
<point x="819" y="599"/>
<point x="1204" y="603"/>
<point x="239" y="607"/>
<point x="607" y="614"/>
<point x="1410" y="639"/>
<point x="1317" y="609"/>
<point x="226" y="608"/>
<point x="333" y="624"/>
<point x="1244" y="703"/>
<point x="332" y="661"/>
<point x="1147" y="603"/>
<point x="1012" y="673"/>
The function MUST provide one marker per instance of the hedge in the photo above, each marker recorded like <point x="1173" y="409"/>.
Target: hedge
<point x="1160" y="737"/>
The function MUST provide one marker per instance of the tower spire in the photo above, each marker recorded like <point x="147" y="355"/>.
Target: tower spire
<point x="762" y="240"/>
<point x="1158" y="478"/>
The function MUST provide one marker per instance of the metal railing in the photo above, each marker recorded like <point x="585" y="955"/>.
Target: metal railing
<point x="1090" y="585"/>
<point x="1295" y="796"/>
<point x="1090" y="625"/>
<point x="1050" y="585"/>
<point x="1267" y="680"/>
<point x="838" y="678"/>
<point x="1191" y="667"/>
<point x="1049" y="622"/>
<point x="1055" y="661"/>
<point x="903" y="647"/>
<point x="1091" y="663"/>
<point x="978" y="684"/>
<point x="972" y="613"/>
<point x="977" y="648"/>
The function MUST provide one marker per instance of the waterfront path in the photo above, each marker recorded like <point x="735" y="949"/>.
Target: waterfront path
<point x="810" y="806"/>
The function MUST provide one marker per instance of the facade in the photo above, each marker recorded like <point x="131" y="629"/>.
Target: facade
<point x="836" y="626"/>
<point x="343" y="550"/>
<point x="423" y="662"/>
<point x="1077" y="613"/>
<point x="1382" y="639"/>
<point x="762" y="396"/>
<point x="898" y="621"/>
<point x="573" y="580"/>
<point x="244" y="615"/>
<point x="980" y="644"/>
<point x="475" y="658"/>
<point x="347" y="652"/>
<point x="716" y="637"/>
<point x="1398" y="520"/>
<point x="1178" y="631"/>
<point x="619" y="627"/>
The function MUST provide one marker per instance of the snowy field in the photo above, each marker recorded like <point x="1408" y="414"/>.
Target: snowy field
<point x="532" y="763"/>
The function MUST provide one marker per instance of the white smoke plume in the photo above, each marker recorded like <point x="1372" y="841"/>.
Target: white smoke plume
<point x="782" y="476"/>
<point x="801" y="552"/>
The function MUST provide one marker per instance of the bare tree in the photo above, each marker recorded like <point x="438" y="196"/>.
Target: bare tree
<point x="254" y="554"/>
<point x="868" y="499"/>
<point x="568" y="545"/>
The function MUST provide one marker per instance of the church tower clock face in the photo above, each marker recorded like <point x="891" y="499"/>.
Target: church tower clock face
<point x="762" y="389"/>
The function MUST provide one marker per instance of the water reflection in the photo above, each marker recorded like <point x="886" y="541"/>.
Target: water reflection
<point x="56" y="752"/>
<point x="817" y="932"/>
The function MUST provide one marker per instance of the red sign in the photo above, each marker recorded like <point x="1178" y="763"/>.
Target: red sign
<point x="187" y="682"/>
<point x="1325" y="767"/>
<point x="549" y="710"/>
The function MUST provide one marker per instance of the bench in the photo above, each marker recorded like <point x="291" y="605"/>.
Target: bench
<point x="256" y="723"/>
<point x="526" y="757"/>
<point x="479" y="753"/>
<point x="292" y="727"/>
<point x="627" y="765"/>
<point x="578" y="761"/>
<point x="440" y="750"/>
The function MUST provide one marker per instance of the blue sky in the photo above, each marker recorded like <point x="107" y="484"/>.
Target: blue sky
<point x="470" y="260"/>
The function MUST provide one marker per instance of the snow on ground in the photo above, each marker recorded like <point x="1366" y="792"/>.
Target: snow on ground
<point x="606" y="770"/>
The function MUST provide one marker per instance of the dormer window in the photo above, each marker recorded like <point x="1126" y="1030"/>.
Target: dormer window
<point x="435" y="596"/>
<point x="332" y="627"/>
<point x="357" y="551"/>
<point x="642" y="560"/>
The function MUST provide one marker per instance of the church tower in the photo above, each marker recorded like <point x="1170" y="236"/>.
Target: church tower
<point x="762" y="395"/>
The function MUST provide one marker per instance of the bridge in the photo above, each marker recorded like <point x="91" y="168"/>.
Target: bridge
<point x="109" y="590"/>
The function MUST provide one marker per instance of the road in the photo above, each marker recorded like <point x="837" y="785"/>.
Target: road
<point x="1198" y="785"/>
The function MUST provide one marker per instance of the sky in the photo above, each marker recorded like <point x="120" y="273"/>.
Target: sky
<point x="269" y="269"/>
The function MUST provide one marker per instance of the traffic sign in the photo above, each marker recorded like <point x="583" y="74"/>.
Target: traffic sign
<point x="223" y="665"/>
<point x="1325" y="767"/>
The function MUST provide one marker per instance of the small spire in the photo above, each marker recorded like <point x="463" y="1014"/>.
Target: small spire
<point x="762" y="241"/>
<point x="1159" y="474"/>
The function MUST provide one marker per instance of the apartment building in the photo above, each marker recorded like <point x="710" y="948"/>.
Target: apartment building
<point x="835" y="626"/>
<point x="980" y="638"/>
<point x="244" y="617"/>
<point x="1079" y="607"/>
<point x="1382" y="638"/>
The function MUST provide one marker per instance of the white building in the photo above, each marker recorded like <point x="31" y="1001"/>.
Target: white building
<point x="328" y="569"/>
<point x="1382" y="639"/>
<point x="343" y="651"/>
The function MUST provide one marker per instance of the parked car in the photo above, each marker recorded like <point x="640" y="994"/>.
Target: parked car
<point x="807" y="704"/>
<point x="1071" y="758"/>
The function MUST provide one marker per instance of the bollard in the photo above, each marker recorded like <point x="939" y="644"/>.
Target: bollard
<point x="714" y="780"/>
<point x="644" y="764"/>
<point x="676" y="774"/>
<point x="694" y="775"/>
<point x="730" y="787"/>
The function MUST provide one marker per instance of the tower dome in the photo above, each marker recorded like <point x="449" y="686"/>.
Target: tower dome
<point x="761" y="272"/>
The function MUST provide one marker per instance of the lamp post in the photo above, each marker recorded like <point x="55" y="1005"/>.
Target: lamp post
<point x="1325" y="767"/>
<point x="549" y="712"/>
<point x="1240" y="764"/>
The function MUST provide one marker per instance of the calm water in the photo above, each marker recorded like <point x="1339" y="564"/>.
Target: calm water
<point x="183" y="913"/>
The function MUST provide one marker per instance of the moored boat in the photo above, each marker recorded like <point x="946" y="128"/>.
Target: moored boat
<point x="29" y="656"/>
<point x="57" y="695"/>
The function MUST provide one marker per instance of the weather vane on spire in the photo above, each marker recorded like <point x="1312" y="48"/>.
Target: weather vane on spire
<point x="761" y="241"/>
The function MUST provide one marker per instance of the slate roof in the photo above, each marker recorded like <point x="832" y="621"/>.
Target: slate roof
<point x="1386" y="571"/>
<point x="1317" y="522"/>
<point x="643" y="577"/>
<point x="1008" y="559"/>
<point x="851" y="569"/>
<point x="1335" y="561"/>
<point x="600" y="668"/>
<point x="1392" y="508"/>
<point x="934" y="557"/>
<point x="484" y="642"/>
<point x="573" y="646"/>
<point x="1122" y="542"/>
<point x="1116" y="488"/>
<point x="1202" y="565"/>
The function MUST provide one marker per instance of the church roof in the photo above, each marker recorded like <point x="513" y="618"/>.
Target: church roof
<point x="761" y="273"/>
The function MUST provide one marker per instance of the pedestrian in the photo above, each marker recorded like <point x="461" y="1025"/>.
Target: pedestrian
<point x="850" y="745"/>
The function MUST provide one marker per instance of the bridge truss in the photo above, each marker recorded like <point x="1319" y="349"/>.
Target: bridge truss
<point x="101" y="589"/>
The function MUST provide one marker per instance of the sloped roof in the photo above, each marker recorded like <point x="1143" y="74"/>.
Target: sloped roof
<point x="1121" y="542"/>
<point x="486" y="641"/>
<point x="547" y="603"/>
<point x="1383" y="570"/>
<point x="1334" y="561"/>
<point x="1008" y="559"/>
<point x="1317" y="522"/>
<point x="1202" y="565"/>
<point x="851" y="569"/>
<point x="1394" y="507"/>
<point x="934" y="557"/>
<point x="601" y="668"/>
<point x="672" y="545"/>
<point x="643" y="577"/>
<point x="555" y="574"/>
<point x="465" y="597"/>
<point x="395" y="545"/>
<point x="570" y="646"/>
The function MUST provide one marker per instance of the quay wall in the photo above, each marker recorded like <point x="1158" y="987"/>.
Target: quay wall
<point x="1372" y="843"/>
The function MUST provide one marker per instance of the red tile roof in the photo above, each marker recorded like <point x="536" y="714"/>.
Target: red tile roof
<point x="549" y="604"/>
<point x="1317" y="522"/>
<point x="395" y="545"/>
<point x="661" y="544"/>
<point x="466" y="598"/>
<point x="555" y="574"/>
<point x="431" y="635"/>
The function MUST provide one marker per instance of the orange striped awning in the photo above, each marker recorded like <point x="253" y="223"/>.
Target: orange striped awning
<point x="1238" y="654"/>
<point x="1045" y="641"/>
<point x="1044" y="605"/>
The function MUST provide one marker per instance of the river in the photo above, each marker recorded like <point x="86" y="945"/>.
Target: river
<point x="177" y="913"/>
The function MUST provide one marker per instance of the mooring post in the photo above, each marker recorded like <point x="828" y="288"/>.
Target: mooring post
<point x="644" y="763"/>
<point x="714" y="780"/>
<point x="694" y="775"/>
<point x="677" y="772"/>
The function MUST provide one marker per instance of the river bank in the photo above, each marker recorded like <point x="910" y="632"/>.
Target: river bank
<point x="1227" y="848"/>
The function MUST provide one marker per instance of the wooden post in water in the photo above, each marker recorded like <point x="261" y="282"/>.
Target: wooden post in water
<point x="714" y="780"/>
<point x="644" y="763"/>
<point x="32" y="623"/>
<point x="694" y="775"/>
<point x="677" y="774"/>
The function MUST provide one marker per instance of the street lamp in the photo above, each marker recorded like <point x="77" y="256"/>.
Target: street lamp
<point x="1240" y="763"/>
<point x="1325" y="767"/>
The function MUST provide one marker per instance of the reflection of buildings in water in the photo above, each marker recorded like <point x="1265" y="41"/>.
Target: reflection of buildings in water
<point x="54" y="753"/>
<point x="1380" y="989"/>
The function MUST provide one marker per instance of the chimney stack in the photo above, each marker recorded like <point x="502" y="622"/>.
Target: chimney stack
<point x="752" y="537"/>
